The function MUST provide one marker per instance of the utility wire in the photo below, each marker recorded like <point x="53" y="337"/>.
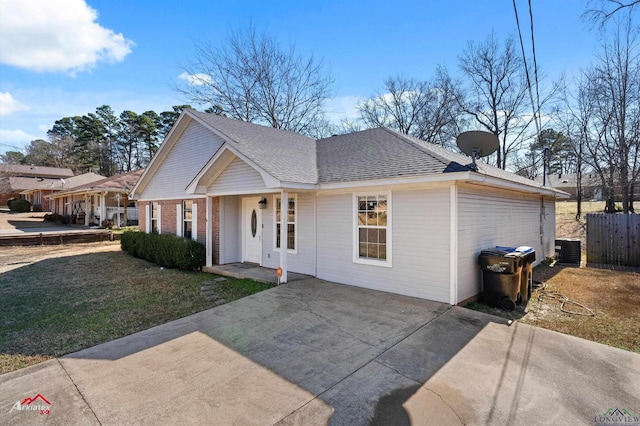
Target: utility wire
<point x="526" y="70"/>
<point x="535" y="63"/>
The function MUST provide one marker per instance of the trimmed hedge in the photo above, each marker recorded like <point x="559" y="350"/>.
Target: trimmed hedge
<point x="165" y="250"/>
<point x="19" y="205"/>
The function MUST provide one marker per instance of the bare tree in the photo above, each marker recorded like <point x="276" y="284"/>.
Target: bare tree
<point x="250" y="77"/>
<point x="426" y="110"/>
<point x="601" y="11"/>
<point x="615" y="81"/>
<point x="495" y="96"/>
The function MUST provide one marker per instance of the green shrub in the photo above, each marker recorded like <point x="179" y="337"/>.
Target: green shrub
<point x="20" y="206"/>
<point x="53" y="217"/>
<point x="10" y="202"/>
<point x="164" y="249"/>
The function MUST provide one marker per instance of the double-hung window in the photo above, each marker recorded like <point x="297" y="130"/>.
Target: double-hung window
<point x="187" y="218"/>
<point x="154" y="218"/>
<point x="290" y="218"/>
<point x="373" y="229"/>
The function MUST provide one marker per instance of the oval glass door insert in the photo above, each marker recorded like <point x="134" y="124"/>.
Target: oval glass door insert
<point x="254" y="223"/>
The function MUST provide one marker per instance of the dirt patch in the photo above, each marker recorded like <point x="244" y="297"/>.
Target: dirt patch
<point x="612" y="295"/>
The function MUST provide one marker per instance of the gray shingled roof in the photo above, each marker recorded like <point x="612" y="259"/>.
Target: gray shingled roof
<point x="37" y="171"/>
<point x="371" y="154"/>
<point x="58" y="184"/>
<point x="287" y="156"/>
<point x="483" y="168"/>
<point x="377" y="154"/>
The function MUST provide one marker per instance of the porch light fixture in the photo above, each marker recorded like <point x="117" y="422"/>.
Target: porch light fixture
<point x="262" y="203"/>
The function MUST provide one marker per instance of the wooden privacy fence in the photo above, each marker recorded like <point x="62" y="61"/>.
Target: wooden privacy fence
<point x="613" y="239"/>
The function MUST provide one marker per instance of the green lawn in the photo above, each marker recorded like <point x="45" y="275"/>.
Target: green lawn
<point x="61" y="305"/>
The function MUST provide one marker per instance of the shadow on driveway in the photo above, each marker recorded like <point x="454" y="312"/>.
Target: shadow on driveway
<point x="312" y="352"/>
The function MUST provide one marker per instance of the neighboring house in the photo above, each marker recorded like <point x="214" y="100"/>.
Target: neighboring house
<point x="568" y="182"/>
<point x="104" y="199"/>
<point x="38" y="194"/>
<point x="374" y="209"/>
<point x="15" y="178"/>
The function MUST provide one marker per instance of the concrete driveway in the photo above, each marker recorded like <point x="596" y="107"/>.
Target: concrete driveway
<point x="313" y="352"/>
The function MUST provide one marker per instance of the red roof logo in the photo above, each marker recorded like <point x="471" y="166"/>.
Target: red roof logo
<point x="29" y="401"/>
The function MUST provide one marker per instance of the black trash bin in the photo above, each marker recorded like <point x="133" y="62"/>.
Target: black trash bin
<point x="526" y="282"/>
<point x="501" y="278"/>
<point x="526" y="277"/>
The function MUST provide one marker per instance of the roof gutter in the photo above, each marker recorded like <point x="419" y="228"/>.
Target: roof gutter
<point x="467" y="176"/>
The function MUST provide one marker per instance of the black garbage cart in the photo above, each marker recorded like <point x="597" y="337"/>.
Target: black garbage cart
<point x="501" y="277"/>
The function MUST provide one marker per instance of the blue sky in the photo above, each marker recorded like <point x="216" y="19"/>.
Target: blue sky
<point x="58" y="58"/>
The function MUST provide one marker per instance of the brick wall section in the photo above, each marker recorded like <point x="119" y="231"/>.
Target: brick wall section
<point x="142" y="216"/>
<point x="168" y="216"/>
<point x="168" y="220"/>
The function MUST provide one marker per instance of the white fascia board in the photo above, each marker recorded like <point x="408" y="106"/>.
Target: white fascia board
<point x="246" y="192"/>
<point x="482" y="179"/>
<point x="394" y="181"/>
<point x="269" y="180"/>
<point x="180" y="197"/>
<point x="196" y="184"/>
<point x="471" y="177"/>
<point x="160" y="155"/>
<point x="298" y="185"/>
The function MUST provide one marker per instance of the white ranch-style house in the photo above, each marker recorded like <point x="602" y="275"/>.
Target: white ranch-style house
<point x="374" y="209"/>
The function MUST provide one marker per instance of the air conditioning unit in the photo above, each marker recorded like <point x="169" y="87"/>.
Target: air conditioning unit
<point x="568" y="250"/>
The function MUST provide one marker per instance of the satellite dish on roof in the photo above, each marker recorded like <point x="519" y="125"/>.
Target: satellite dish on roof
<point x="476" y="144"/>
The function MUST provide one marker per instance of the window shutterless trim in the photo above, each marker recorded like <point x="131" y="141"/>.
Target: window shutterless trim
<point x="276" y="202"/>
<point x="388" y="228"/>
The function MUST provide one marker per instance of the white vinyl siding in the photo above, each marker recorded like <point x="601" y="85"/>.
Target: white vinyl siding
<point x="194" y="147"/>
<point x="489" y="218"/>
<point x="238" y="177"/>
<point x="230" y="232"/>
<point x="420" y="244"/>
<point x="304" y="260"/>
<point x="549" y="229"/>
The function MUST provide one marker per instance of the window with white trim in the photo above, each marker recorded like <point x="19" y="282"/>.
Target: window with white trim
<point x="373" y="229"/>
<point x="291" y="220"/>
<point x="154" y="218"/>
<point x="187" y="218"/>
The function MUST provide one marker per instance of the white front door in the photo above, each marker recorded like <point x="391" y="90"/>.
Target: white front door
<point x="251" y="230"/>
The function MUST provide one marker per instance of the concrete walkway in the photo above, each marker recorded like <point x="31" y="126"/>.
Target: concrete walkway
<point x="312" y="352"/>
<point x="251" y="271"/>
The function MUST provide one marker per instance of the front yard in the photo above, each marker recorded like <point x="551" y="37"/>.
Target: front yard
<point x="60" y="299"/>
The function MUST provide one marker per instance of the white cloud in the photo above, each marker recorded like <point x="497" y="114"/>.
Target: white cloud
<point x="9" y="105"/>
<point x="12" y="139"/>
<point x="342" y="107"/>
<point x="198" y="79"/>
<point x="46" y="35"/>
